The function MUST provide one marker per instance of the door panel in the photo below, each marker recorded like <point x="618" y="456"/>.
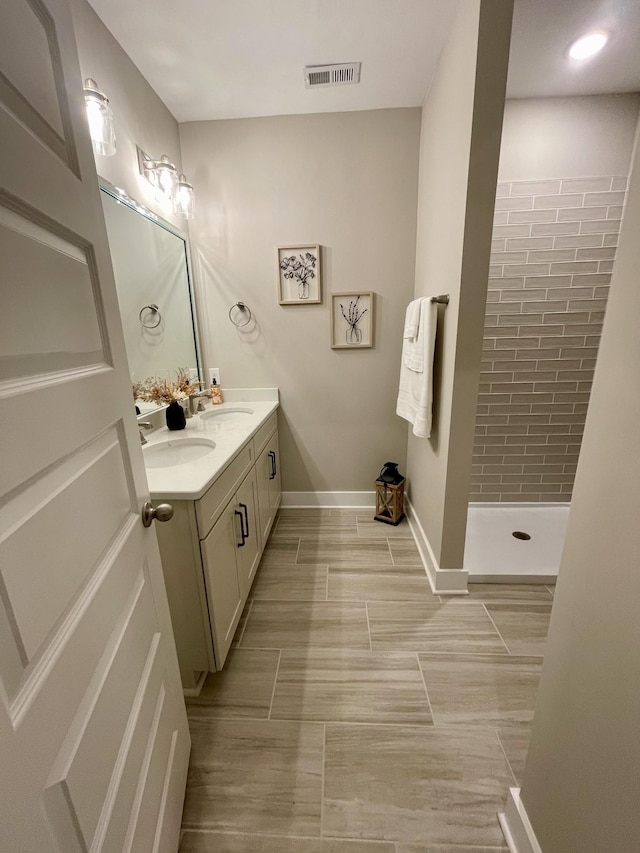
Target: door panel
<point x="249" y="554"/>
<point x="30" y="79"/>
<point x="93" y="732"/>
<point x="45" y="328"/>
<point x="220" y="560"/>
<point x="263" y="475"/>
<point x="51" y="510"/>
<point x="275" y="484"/>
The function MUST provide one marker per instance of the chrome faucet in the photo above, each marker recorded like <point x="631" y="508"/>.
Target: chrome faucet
<point x="142" y="425"/>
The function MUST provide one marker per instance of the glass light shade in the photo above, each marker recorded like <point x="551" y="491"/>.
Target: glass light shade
<point x="588" y="45"/>
<point x="166" y="176"/>
<point x="185" y="200"/>
<point x="100" y="117"/>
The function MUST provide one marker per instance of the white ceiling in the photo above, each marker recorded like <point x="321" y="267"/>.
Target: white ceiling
<point x="214" y="59"/>
<point x="544" y="29"/>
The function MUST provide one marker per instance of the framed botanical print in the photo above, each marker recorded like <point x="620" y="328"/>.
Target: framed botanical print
<point x="299" y="280"/>
<point x="352" y="320"/>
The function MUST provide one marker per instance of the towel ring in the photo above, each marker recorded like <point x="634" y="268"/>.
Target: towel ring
<point x="241" y="307"/>
<point x="154" y="310"/>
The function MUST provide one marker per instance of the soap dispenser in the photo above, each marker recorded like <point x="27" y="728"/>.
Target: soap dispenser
<point x="216" y="393"/>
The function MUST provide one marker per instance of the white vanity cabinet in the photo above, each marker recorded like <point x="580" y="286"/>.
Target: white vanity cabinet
<point x="211" y="550"/>
<point x="269" y="488"/>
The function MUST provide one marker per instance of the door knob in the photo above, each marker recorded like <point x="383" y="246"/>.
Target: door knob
<point x="162" y="512"/>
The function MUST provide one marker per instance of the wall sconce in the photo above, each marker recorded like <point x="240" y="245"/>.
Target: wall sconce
<point x="101" y="129"/>
<point x="163" y="177"/>
<point x="161" y="174"/>
<point x="185" y="200"/>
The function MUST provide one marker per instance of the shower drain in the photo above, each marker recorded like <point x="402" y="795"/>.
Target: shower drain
<point x="518" y="534"/>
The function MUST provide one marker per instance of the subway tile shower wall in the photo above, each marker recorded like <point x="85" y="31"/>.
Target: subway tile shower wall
<point x="553" y="250"/>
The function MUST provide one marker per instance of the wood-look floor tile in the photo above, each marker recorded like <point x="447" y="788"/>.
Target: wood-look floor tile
<point x="450" y="626"/>
<point x="304" y="512"/>
<point x="304" y="624"/>
<point x="447" y="848"/>
<point x="291" y="581"/>
<point x="349" y="686"/>
<point x="280" y="552"/>
<point x="330" y="526"/>
<point x="405" y="552"/>
<point x="242" y="689"/>
<point x="369" y="528"/>
<point x="242" y="624"/>
<point x="414" y="784"/>
<point x="372" y="553"/>
<point x="379" y="586"/>
<point x="481" y="689"/>
<point x="217" y="842"/>
<point x="515" y="742"/>
<point x="509" y="592"/>
<point x="254" y="776"/>
<point x="523" y="627"/>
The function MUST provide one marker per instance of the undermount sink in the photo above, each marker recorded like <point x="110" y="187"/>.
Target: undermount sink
<point x="227" y="416"/>
<point x="176" y="451"/>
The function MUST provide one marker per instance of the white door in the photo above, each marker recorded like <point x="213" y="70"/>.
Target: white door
<point x="93" y="736"/>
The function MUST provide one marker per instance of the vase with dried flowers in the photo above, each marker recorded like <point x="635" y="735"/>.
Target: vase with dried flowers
<point x="167" y="391"/>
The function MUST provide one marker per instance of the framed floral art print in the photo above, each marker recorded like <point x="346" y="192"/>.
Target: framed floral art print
<point x="299" y="280"/>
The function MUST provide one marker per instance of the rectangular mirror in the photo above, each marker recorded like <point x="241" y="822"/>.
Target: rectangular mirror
<point x="151" y="269"/>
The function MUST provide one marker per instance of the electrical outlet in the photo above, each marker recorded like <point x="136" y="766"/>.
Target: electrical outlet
<point x="214" y="373"/>
<point x="193" y="374"/>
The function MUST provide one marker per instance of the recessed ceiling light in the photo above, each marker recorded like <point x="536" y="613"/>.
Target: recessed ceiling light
<point x="588" y="45"/>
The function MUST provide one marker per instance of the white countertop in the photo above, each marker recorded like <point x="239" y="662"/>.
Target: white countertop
<point x="189" y="481"/>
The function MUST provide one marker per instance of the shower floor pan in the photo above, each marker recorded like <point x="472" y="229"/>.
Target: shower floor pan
<point x="494" y="555"/>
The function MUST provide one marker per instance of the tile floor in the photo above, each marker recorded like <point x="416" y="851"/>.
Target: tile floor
<point x="358" y="712"/>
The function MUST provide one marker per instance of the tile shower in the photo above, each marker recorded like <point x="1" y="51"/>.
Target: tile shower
<point x="553" y="250"/>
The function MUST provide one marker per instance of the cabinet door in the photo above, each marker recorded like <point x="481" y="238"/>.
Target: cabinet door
<point x="264" y="473"/>
<point x="224" y="595"/>
<point x="246" y="502"/>
<point x="275" y="484"/>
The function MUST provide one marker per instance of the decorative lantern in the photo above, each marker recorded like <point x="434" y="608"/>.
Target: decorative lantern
<point x="390" y="495"/>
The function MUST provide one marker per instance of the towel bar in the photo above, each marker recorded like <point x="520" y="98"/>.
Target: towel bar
<point x="441" y="300"/>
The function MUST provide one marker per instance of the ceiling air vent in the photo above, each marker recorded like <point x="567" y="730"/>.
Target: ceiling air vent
<point x="345" y="74"/>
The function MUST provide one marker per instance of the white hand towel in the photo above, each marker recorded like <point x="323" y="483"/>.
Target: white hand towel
<point x="412" y="341"/>
<point x="415" y="394"/>
<point x="412" y="320"/>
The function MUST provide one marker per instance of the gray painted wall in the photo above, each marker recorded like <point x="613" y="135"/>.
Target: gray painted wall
<point x="458" y="163"/>
<point x="347" y="181"/>
<point x="546" y="138"/>
<point x="140" y="116"/>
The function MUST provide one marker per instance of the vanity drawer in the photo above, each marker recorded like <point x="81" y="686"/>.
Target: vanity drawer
<point x="211" y="504"/>
<point x="265" y="432"/>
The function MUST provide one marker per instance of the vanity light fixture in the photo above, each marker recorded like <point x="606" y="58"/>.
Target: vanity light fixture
<point x="185" y="200"/>
<point x="100" y="116"/>
<point x="161" y="174"/>
<point x="587" y="46"/>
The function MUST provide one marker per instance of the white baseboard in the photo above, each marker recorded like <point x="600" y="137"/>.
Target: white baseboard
<point x="516" y="826"/>
<point x="192" y="692"/>
<point x="511" y="579"/>
<point x="443" y="581"/>
<point x="519" y="505"/>
<point x="320" y="500"/>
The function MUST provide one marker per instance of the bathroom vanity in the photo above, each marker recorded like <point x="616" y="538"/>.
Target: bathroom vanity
<point x="222" y="477"/>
